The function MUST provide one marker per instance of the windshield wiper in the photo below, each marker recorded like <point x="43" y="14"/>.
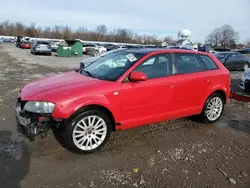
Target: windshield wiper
<point x="88" y="73"/>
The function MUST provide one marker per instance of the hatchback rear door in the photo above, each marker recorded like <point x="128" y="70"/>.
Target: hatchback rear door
<point x="192" y="83"/>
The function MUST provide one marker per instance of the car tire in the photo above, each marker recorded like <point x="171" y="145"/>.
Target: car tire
<point x="246" y="66"/>
<point x="213" y="109"/>
<point x="78" y="137"/>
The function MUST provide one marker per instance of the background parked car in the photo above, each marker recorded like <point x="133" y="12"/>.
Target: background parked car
<point x="54" y="45"/>
<point x="7" y="40"/>
<point x="93" y="49"/>
<point x="41" y="47"/>
<point x="244" y="51"/>
<point x="245" y="80"/>
<point x="85" y="62"/>
<point x="110" y="47"/>
<point x="25" y="45"/>
<point x="233" y="60"/>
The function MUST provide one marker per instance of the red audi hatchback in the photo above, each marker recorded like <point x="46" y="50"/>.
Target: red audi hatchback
<point x="126" y="89"/>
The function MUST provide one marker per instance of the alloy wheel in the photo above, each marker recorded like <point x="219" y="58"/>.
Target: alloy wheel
<point x="214" y="108"/>
<point x="89" y="132"/>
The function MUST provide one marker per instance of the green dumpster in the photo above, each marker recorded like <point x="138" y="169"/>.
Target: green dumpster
<point x="73" y="48"/>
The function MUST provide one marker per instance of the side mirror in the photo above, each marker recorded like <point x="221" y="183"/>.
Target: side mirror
<point x="82" y="65"/>
<point x="77" y="70"/>
<point x="138" y="76"/>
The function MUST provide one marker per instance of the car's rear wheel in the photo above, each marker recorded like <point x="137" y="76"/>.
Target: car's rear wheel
<point x="246" y="66"/>
<point x="213" y="108"/>
<point x="87" y="132"/>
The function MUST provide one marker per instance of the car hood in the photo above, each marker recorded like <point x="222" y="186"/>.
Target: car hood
<point x="60" y="85"/>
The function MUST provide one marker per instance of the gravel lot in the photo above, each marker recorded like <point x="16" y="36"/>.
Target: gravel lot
<point x="178" y="153"/>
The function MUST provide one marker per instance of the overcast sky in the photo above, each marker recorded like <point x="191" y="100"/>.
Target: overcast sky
<point x="159" y="17"/>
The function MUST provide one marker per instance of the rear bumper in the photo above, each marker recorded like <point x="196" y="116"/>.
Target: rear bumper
<point x="43" y="51"/>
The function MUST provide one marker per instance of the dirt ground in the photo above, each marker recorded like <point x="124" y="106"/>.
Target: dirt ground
<point x="178" y="153"/>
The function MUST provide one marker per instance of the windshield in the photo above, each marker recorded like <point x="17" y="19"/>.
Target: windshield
<point x="112" y="66"/>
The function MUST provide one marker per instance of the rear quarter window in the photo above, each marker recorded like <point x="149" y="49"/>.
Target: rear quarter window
<point x="210" y="64"/>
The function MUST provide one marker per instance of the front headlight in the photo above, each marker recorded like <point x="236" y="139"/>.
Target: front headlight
<point x="39" y="107"/>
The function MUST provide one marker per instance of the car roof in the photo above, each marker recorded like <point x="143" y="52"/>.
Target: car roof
<point x="159" y="50"/>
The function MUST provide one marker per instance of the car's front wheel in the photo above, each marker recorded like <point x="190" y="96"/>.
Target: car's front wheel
<point x="213" y="108"/>
<point x="87" y="132"/>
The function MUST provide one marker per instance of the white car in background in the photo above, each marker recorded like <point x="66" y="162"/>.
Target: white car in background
<point x="93" y="49"/>
<point x="87" y="61"/>
<point x="245" y="80"/>
<point x="54" y="45"/>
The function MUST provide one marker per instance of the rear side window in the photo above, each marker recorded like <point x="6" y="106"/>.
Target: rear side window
<point x="188" y="63"/>
<point x="208" y="62"/>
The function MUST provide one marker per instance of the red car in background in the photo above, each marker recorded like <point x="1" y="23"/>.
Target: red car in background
<point x="25" y="45"/>
<point x="127" y="89"/>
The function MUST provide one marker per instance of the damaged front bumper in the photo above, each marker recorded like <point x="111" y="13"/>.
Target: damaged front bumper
<point x="32" y="125"/>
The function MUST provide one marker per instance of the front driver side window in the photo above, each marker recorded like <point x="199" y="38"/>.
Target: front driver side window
<point x="156" y="66"/>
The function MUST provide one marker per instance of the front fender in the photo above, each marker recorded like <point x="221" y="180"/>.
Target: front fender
<point x="112" y="103"/>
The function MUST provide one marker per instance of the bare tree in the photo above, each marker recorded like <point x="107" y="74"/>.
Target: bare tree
<point x="31" y="30"/>
<point x="101" y="33"/>
<point x="101" y="29"/>
<point x="224" y="36"/>
<point x="169" y="40"/>
<point x="214" y="37"/>
<point x="228" y="36"/>
<point x="20" y="28"/>
<point x="66" y="32"/>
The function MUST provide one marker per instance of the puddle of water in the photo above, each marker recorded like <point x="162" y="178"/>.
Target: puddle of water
<point x="235" y="124"/>
<point x="240" y="125"/>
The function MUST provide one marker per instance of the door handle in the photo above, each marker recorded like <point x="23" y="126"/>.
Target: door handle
<point x="170" y="85"/>
<point x="207" y="80"/>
